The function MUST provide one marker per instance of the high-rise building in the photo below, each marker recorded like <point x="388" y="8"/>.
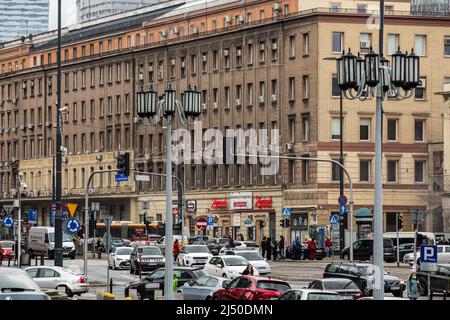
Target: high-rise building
<point x="94" y="9"/>
<point x="21" y="17"/>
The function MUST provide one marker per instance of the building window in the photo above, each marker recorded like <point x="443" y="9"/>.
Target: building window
<point x="292" y="47"/>
<point x="102" y="75"/>
<point x="118" y="71"/>
<point x="364" y="170"/>
<point x="274" y="49"/>
<point x="419" y="129"/>
<point x="291" y="171"/>
<point x="160" y="70"/>
<point x="419" y="169"/>
<point x="83" y="110"/>
<point x="291" y="124"/>
<point x="238" y="57"/>
<point x="74" y="112"/>
<point x="291" y="89"/>
<point x="447" y="46"/>
<point x="150" y="72"/>
<point x="335" y="172"/>
<point x="226" y="58"/>
<point x="420" y="45"/>
<point x="182" y="67"/>
<point x="361" y="8"/>
<point x="173" y="68"/>
<point x="194" y="64"/>
<point x="335" y="90"/>
<point x="305" y="87"/>
<point x="227" y="97"/>
<point x="365" y="42"/>
<point x="392" y="129"/>
<point x="305" y="128"/>
<point x="305" y="170"/>
<point x="118" y="104"/>
<point x="262" y="52"/>
<point x="101" y="108"/>
<point x="127" y="70"/>
<point x="250" y="53"/>
<point x="205" y="62"/>
<point x="364" y="129"/>
<point x="392" y="43"/>
<point x="337" y="42"/>
<point x="335" y="7"/>
<point x="262" y="92"/>
<point x="83" y="79"/>
<point x="92" y="77"/>
<point x="335" y="129"/>
<point x="420" y="92"/>
<point x="250" y="94"/>
<point x="392" y="167"/>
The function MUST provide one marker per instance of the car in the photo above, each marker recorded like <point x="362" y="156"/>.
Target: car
<point x="202" y="288"/>
<point x="192" y="255"/>
<point x="439" y="280"/>
<point x="310" y="294"/>
<point x="443" y="255"/>
<point x="363" y="275"/>
<point x="404" y="249"/>
<point x="41" y="241"/>
<point x="8" y="249"/>
<point x="52" y="277"/>
<point x="197" y="238"/>
<point x="363" y="250"/>
<point x="221" y="241"/>
<point x="16" y="284"/>
<point x="250" y="244"/>
<point x="115" y="243"/>
<point x="229" y="266"/>
<point x="256" y="259"/>
<point x="146" y="258"/>
<point x="345" y="287"/>
<point x="231" y="250"/>
<point x="120" y="258"/>
<point x="252" y="288"/>
<point x="145" y="288"/>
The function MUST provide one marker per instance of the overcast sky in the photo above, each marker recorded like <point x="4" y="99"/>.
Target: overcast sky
<point x="68" y="13"/>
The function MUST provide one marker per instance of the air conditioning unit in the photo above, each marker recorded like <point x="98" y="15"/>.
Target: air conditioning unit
<point x="239" y="52"/>
<point x="31" y="126"/>
<point x="205" y="57"/>
<point x="261" y="99"/>
<point x="14" y="101"/>
<point x="172" y="62"/>
<point x="32" y="83"/>
<point x="289" y="146"/>
<point x="141" y="77"/>
<point x="241" y="19"/>
<point x="274" y="45"/>
<point x="183" y="64"/>
<point x="228" y="19"/>
<point x="13" y="130"/>
<point x="163" y="33"/>
<point x="24" y="84"/>
<point x="194" y="30"/>
<point x="13" y="159"/>
<point x="277" y="7"/>
<point x="176" y="30"/>
<point x="274" y="98"/>
<point x="226" y="52"/>
<point x="238" y="102"/>
<point x="215" y="106"/>
<point x="13" y="193"/>
<point x="423" y="83"/>
<point x="6" y="131"/>
<point x="147" y="157"/>
<point x="66" y="192"/>
<point x="5" y="194"/>
<point x="49" y="82"/>
<point x="2" y="102"/>
<point x="365" y="44"/>
<point x="204" y="108"/>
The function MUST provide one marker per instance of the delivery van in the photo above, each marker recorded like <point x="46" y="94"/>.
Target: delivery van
<point x="41" y="240"/>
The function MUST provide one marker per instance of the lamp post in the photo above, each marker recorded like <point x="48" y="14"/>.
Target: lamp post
<point x="357" y="77"/>
<point x="149" y="107"/>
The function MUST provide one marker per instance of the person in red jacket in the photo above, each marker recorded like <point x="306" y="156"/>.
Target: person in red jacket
<point x="176" y="249"/>
<point x="328" y="246"/>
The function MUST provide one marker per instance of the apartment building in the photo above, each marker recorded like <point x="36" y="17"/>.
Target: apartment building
<point x="258" y="66"/>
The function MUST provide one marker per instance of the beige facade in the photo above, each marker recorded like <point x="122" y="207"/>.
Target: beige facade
<point x="369" y="5"/>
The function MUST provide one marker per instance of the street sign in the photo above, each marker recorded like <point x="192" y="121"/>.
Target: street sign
<point x="95" y="206"/>
<point x="32" y="216"/>
<point x="8" y="221"/>
<point x="191" y="206"/>
<point x="286" y="212"/>
<point x="8" y="208"/>
<point x="248" y="222"/>
<point x="72" y="207"/>
<point x="342" y="209"/>
<point x="417" y="216"/>
<point x="334" y="219"/>
<point x="210" y="221"/>
<point x="121" y="177"/>
<point x="73" y="225"/>
<point x="202" y="223"/>
<point x="342" y="200"/>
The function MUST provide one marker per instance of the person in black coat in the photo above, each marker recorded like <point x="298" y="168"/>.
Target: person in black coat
<point x="275" y="249"/>
<point x="264" y="246"/>
<point x="269" y="248"/>
<point x="281" y="246"/>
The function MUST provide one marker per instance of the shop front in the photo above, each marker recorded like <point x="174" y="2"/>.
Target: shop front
<point x="299" y="225"/>
<point x="364" y="223"/>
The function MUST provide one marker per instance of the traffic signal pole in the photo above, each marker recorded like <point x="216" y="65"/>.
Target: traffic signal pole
<point x="398" y="244"/>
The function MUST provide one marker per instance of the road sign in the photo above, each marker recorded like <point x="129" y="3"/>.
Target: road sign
<point x="32" y="216"/>
<point x="417" y="216"/>
<point x="73" y="225"/>
<point x="202" y="223"/>
<point x="286" y="212"/>
<point x="248" y="222"/>
<point x="8" y="221"/>
<point x="8" y="208"/>
<point x="334" y="219"/>
<point x="191" y="206"/>
<point x="428" y="253"/>
<point x="342" y="200"/>
<point x="210" y="221"/>
<point x="95" y="206"/>
<point x="343" y="209"/>
<point x="72" y="207"/>
<point x="121" y="177"/>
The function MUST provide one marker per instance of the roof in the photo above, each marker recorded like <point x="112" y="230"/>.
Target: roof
<point x="334" y="280"/>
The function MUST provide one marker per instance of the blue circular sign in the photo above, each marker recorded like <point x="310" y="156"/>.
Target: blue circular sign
<point x="73" y="225"/>
<point x="342" y="200"/>
<point x="8" y="221"/>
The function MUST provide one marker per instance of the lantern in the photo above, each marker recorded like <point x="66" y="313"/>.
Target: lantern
<point x="191" y="102"/>
<point x="146" y="103"/>
<point x="349" y="68"/>
<point x="398" y="68"/>
<point x="384" y="74"/>
<point x="359" y="70"/>
<point x="412" y="70"/>
<point x="169" y="101"/>
<point x="372" y="67"/>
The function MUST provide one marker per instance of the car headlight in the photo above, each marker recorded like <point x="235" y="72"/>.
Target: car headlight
<point x="402" y="282"/>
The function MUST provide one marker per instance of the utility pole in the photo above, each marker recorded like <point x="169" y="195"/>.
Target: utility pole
<point x="341" y="175"/>
<point x="168" y="289"/>
<point x="58" y="216"/>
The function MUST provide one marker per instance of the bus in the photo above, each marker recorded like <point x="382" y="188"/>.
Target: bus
<point x="408" y="237"/>
<point x="129" y="230"/>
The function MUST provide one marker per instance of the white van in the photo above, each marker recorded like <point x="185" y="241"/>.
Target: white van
<point x="41" y="240"/>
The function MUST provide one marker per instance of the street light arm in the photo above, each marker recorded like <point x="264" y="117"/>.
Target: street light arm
<point x="183" y="118"/>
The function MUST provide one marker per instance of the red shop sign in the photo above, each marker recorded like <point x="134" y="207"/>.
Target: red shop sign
<point x="219" y="204"/>
<point x="263" y="203"/>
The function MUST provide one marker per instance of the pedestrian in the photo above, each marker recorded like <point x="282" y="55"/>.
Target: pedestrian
<point x="314" y="247"/>
<point x="176" y="249"/>
<point x="412" y="289"/>
<point x="249" y="270"/>
<point x="241" y="237"/>
<point x="275" y="249"/>
<point x="297" y="249"/>
<point x="281" y="245"/>
<point x="269" y="245"/>
<point x="231" y="243"/>
<point x="99" y="246"/>
<point x="263" y="246"/>
<point x="328" y="246"/>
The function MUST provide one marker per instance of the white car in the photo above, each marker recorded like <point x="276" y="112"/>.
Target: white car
<point x="310" y="294"/>
<point x="229" y="266"/>
<point x="443" y="255"/>
<point x="51" y="278"/>
<point x="256" y="259"/>
<point x="120" y="258"/>
<point x="194" y="255"/>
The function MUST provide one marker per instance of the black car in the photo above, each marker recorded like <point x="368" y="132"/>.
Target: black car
<point x="345" y="287"/>
<point x="439" y="280"/>
<point x="155" y="281"/>
<point x="362" y="274"/>
<point x="363" y="250"/>
<point x="213" y="246"/>
<point x="405" y="248"/>
<point x="197" y="238"/>
<point x="146" y="258"/>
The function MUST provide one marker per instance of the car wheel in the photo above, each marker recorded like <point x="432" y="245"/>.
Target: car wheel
<point x="68" y="291"/>
<point x="208" y="298"/>
<point x="51" y="255"/>
<point x="422" y="288"/>
<point x="72" y="256"/>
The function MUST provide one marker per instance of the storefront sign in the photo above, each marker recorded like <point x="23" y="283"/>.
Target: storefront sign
<point x="191" y="206"/>
<point x="263" y="203"/>
<point x="218" y="204"/>
<point x="241" y="200"/>
<point x="236" y="220"/>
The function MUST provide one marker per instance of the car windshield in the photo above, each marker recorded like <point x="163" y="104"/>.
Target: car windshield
<point x="65" y="237"/>
<point x="323" y="296"/>
<point x="339" y="285"/>
<point x="150" y="251"/>
<point x="272" y="286"/>
<point x="15" y="281"/>
<point x="199" y="273"/>
<point x="124" y="251"/>
<point x="251" y="256"/>
<point x="367" y="270"/>
<point x="116" y="240"/>
<point x="6" y="244"/>
<point x="387" y="243"/>
<point x="196" y="249"/>
<point x="235" y="261"/>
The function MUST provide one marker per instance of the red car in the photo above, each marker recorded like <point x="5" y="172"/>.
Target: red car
<point x="7" y="248"/>
<point x="252" y="288"/>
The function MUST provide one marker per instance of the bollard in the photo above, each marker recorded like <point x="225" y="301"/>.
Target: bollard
<point x="108" y="296"/>
<point x="35" y="260"/>
<point x="140" y="271"/>
<point x="42" y="259"/>
<point x="110" y="285"/>
<point x="128" y="298"/>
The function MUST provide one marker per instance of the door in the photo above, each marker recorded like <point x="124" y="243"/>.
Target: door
<point x="211" y="266"/>
<point x="48" y="278"/>
<point x="272" y="224"/>
<point x="242" y="286"/>
<point x="198" y="291"/>
<point x="228" y="292"/>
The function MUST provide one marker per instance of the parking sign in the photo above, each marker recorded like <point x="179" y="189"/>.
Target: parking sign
<point x="428" y="257"/>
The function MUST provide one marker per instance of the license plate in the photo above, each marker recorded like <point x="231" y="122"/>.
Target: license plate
<point x="395" y="288"/>
<point x="152" y="286"/>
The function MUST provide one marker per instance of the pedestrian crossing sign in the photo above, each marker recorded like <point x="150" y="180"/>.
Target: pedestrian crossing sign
<point x="334" y="219"/>
<point x="286" y="212"/>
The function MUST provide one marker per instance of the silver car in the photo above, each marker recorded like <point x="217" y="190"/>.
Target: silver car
<point x="202" y="288"/>
<point x="16" y="284"/>
<point x="51" y="278"/>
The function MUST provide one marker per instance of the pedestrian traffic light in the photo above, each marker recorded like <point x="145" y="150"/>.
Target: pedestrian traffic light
<point x="288" y="223"/>
<point x="123" y="163"/>
<point x="92" y="224"/>
<point x="399" y="222"/>
<point x="282" y="223"/>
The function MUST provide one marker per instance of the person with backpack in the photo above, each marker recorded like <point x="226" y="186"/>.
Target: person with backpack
<point x="412" y="287"/>
<point x="269" y="245"/>
<point x="281" y="246"/>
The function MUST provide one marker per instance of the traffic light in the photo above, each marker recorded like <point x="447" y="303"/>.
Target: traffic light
<point x="288" y="223"/>
<point x="399" y="222"/>
<point x="282" y="223"/>
<point x="123" y="163"/>
<point x="92" y="224"/>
